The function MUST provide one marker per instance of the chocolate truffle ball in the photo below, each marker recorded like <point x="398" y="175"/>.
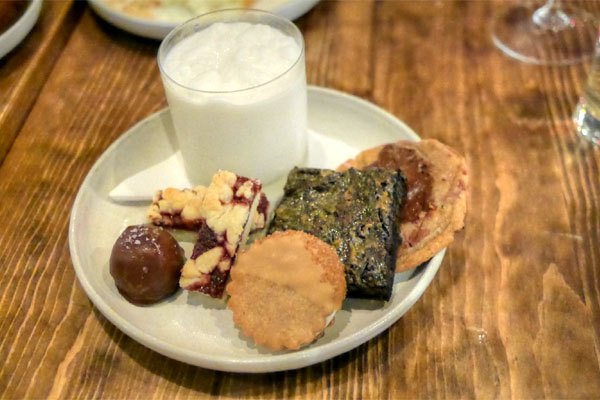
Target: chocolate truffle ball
<point x="145" y="263"/>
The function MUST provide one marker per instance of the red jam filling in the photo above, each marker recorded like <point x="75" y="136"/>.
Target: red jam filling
<point x="215" y="287"/>
<point x="263" y="205"/>
<point x="419" y="181"/>
<point x="256" y="187"/>
<point x="207" y="239"/>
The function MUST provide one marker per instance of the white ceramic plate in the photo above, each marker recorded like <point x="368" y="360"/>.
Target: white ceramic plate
<point x="19" y="30"/>
<point x="191" y="327"/>
<point x="290" y="9"/>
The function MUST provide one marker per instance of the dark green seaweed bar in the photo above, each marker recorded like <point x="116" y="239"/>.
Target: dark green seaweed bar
<point x="356" y="212"/>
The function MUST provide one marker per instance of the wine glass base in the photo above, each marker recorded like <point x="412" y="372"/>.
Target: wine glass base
<point x="517" y="34"/>
<point x="586" y="124"/>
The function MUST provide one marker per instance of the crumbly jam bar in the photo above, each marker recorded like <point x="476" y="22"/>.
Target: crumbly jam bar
<point x="356" y="213"/>
<point x="223" y="214"/>
<point x="179" y="209"/>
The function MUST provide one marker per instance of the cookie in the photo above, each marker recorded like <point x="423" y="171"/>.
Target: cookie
<point x="436" y="203"/>
<point x="285" y="289"/>
<point x="223" y="214"/>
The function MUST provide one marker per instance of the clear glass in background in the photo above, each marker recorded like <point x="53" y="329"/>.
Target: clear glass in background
<point x="587" y="112"/>
<point x="258" y="132"/>
<point x="545" y="34"/>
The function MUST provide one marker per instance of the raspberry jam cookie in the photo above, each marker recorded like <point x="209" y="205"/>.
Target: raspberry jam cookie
<point x="223" y="214"/>
<point x="181" y="209"/>
<point x="285" y="289"/>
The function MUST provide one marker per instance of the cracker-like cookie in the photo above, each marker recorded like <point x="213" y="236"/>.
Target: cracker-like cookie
<point x="436" y="201"/>
<point x="285" y="288"/>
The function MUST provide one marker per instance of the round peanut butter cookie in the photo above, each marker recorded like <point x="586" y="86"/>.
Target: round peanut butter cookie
<point x="285" y="289"/>
<point x="436" y="201"/>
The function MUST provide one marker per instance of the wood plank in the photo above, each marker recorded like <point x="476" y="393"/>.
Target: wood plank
<point x="514" y="310"/>
<point x="77" y="115"/>
<point x="24" y="71"/>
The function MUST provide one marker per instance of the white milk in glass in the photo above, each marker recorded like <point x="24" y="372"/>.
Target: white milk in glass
<point x="236" y="90"/>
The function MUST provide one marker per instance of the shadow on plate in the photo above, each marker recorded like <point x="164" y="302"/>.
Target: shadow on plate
<point x="199" y="299"/>
<point x="371" y="304"/>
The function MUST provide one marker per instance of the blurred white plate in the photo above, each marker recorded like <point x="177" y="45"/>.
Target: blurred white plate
<point x="17" y="32"/>
<point x="290" y="9"/>
<point x="196" y="329"/>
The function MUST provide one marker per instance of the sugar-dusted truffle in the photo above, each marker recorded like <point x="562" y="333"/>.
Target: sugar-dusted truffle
<point x="145" y="263"/>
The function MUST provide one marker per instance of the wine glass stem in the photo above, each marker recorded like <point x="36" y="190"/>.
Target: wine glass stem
<point x="551" y="17"/>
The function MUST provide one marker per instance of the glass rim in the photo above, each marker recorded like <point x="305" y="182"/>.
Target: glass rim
<point x="174" y="31"/>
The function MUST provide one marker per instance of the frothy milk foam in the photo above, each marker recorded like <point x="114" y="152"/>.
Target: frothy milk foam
<point x="235" y="102"/>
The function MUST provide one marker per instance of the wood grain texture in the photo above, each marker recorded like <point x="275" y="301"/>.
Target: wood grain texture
<point x="514" y="310"/>
<point x="24" y="70"/>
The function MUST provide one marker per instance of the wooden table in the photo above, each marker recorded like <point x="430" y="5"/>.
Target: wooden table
<point x="514" y="310"/>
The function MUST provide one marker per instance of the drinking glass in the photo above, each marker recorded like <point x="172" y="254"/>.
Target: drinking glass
<point x="587" y="112"/>
<point x="257" y="131"/>
<point x="552" y="34"/>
